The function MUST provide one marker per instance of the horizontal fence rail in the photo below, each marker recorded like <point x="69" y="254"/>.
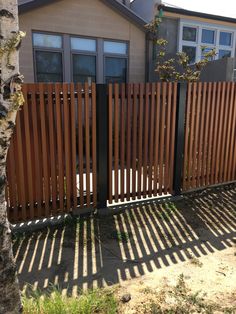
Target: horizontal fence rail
<point x="51" y="165"/>
<point x="210" y="135"/>
<point x="141" y="140"/>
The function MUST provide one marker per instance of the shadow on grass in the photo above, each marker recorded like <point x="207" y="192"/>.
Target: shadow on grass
<point x="96" y="252"/>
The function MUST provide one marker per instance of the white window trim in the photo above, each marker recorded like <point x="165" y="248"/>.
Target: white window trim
<point x="199" y="26"/>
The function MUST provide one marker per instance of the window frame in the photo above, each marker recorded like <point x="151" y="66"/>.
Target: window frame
<point x="198" y="44"/>
<point x="83" y="53"/>
<point x="47" y="49"/>
<point x="116" y="55"/>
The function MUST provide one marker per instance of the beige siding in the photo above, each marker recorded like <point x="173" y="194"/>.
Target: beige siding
<point x="87" y="18"/>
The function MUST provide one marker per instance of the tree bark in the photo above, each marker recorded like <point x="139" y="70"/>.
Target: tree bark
<point x="10" y="301"/>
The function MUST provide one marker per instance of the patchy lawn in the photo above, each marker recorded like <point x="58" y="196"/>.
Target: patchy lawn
<point x="145" y="251"/>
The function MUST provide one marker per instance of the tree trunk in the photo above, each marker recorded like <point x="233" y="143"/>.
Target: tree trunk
<point x="10" y="100"/>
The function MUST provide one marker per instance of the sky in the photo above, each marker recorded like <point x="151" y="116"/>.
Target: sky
<point x="218" y="7"/>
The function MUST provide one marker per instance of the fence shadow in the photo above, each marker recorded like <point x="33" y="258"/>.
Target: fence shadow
<point x="93" y="252"/>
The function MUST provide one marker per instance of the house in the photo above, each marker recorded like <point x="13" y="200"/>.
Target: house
<point x="189" y="31"/>
<point x="82" y="40"/>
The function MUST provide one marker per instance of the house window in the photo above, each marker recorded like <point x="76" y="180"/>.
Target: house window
<point x="115" y="61"/>
<point x="196" y="39"/>
<point x="84" y="52"/>
<point x="208" y="36"/>
<point x="48" y="57"/>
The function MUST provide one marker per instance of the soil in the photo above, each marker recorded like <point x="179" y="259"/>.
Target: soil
<point x="142" y="248"/>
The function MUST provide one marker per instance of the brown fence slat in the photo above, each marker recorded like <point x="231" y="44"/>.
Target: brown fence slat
<point x="73" y="145"/>
<point x="80" y="145"/>
<point x="122" y="143"/>
<point x="116" y="140"/>
<point x="205" y="126"/>
<point x="232" y="135"/>
<point x="145" y="148"/>
<point x="128" y="141"/>
<point x="140" y="139"/>
<point x="167" y="142"/>
<point x="87" y="141"/>
<point x="157" y="132"/>
<point x="134" y="139"/>
<point x="172" y="141"/>
<point x="110" y="140"/>
<point x="52" y="137"/>
<point x="162" y="136"/>
<point x="187" y="140"/>
<point x="151" y="139"/>
<point x="59" y="146"/>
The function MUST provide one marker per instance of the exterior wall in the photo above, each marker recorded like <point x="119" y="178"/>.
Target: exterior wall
<point x="89" y="18"/>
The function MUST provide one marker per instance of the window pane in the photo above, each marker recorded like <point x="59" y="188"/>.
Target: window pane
<point x="208" y="36"/>
<point x="46" y="40"/>
<point x="84" y="68"/>
<point x="190" y="52"/>
<point x="115" y="47"/>
<point x="115" y="70"/>
<point x="224" y="53"/>
<point x="225" y="38"/>
<point x="189" y="33"/>
<point x="48" y="66"/>
<point x="83" y="44"/>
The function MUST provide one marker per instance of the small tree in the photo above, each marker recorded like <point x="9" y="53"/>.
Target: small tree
<point x="177" y="68"/>
<point x="10" y="101"/>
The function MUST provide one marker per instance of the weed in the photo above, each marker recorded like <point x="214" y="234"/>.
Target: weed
<point x="99" y="301"/>
<point x="120" y="236"/>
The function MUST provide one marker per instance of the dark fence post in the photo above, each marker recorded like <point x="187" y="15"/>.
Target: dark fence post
<point x="102" y="145"/>
<point x="179" y="138"/>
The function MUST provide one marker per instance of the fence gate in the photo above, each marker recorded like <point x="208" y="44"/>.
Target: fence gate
<point x="141" y="140"/>
<point x="51" y="165"/>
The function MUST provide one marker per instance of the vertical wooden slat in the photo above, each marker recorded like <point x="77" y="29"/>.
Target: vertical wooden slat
<point x="134" y="140"/>
<point x="232" y="134"/>
<point x="151" y="143"/>
<point x="37" y="150"/>
<point x="224" y="128"/>
<point x="219" y="139"/>
<point x="140" y="139"/>
<point x="209" y="143"/>
<point x="162" y="136"/>
<point x="128" y="141"/>
<point x="87" y="142"/>
<point x="20" y="166"/>
<point x="157" y="129"/>
<point x="94" y="143"/>
<point x="172" y="140"/>
<point x="203" y="130"/>
<point x="73" y="144"/>
<point x="146" y="129"/>
<point x="167" y="142"/>
<point x="191" y="137"/>
<point x="187" y="139"/>
<point x="66" y="125"/>
<point x="28" y="165"/>
<point x="122" y="142"/>
<point x="44" y="150"/>
<point x="110" y="140"/>
<point x="196" y="134"/>
<point x="233" y="167"/>
<point x="59" y="146"/>
<point x="116" y="140"/>
<point x="80" y="145"/>
<point x="215" y="134"/>
<point x="52" y="148"/>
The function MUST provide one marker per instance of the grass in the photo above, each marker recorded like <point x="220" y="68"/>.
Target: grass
<point x="53" y="302"/>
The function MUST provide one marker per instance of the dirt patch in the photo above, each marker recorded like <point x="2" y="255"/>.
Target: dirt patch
<point x="145" y="247"/>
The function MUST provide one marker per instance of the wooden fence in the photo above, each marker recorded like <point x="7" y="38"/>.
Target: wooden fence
<point x="80" y="146"/>
<point x="210" y="135"/>
<point x="51" y="166"/>
<point x="141" y="140"/>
